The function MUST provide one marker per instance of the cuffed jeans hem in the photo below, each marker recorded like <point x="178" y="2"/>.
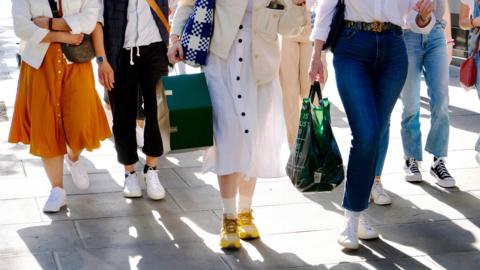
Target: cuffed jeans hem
<point x="152" y="154"/>
<point x="436" y="154"/>
<point x="126" y="162"/>
<point x="353" y="209"/>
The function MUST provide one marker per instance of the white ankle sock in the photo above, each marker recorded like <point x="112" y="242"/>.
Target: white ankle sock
<point x="352" y="214"/>
<point x="244" y="203"/>
<point x="230" y="207"/>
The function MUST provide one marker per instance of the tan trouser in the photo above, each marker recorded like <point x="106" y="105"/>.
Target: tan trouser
<point x="294" y="67"/>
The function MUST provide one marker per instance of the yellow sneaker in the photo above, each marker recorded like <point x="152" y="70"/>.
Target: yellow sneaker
<point x="246" y="227"/>
<point x="229" y="235"/>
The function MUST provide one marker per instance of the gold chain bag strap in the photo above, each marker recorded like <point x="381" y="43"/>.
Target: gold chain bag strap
<point x="74" y="53"/>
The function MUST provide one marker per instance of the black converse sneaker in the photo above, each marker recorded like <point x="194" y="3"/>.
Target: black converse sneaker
<point x="412" y="173"/>
<point x="440" y="172"/>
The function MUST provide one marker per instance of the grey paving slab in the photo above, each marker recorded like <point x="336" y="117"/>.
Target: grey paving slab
<point x="194" y="177"/>
<point x="38" y="237"/>
<point x="207" y="197"/>
<point x="417" y="263"/>
<point x="35" y="261"/>
<point x="430" y="207"/>
<point x="296" y="250"/>
<point x="109" y="205"/>
<point x="184" y="256"/>
<point x="152" y="229"/>
<point x="432" y="238"/>
<point x="187" y="159"/>
<point x="18" y="188"/>
<point x="459" y="260"/>
<point x="19" y="211"/>
<point x="10" y="167"/>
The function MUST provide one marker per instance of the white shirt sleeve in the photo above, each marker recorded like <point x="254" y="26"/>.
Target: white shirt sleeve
<point x="23" y="26"/>
<point x="323" y="19"/>
<point x="86" y="19"/>
<point x="469" y="3"/>
<point x="100" y="18"/>
<point x="412" y="22"/>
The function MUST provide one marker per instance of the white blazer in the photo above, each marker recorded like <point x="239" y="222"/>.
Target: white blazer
<point x="80" y="15"/>
<point x="266" y="25"/>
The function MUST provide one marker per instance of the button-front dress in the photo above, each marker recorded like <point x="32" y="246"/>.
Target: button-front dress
<point x="57" y="105"/>
<point x="249" y="126"/>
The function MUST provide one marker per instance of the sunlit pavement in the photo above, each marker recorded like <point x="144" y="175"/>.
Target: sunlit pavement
<point x="426" y="227"/>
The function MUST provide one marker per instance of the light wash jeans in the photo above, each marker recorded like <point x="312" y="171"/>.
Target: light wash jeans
<point x="427" y="54"/>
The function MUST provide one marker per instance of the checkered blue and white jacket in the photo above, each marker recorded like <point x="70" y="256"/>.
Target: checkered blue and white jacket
<point x="198" y="32"/>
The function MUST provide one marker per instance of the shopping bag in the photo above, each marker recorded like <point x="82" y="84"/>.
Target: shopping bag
<point x="185" y="113"/>
<point x="315" y="164"/>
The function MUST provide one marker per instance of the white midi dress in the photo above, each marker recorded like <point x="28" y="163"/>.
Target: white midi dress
<point x="249" y="126"/>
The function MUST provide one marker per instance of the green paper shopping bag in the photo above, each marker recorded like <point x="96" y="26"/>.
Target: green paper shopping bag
<point x="185" y="113"/>
<point x="315" y="164"/>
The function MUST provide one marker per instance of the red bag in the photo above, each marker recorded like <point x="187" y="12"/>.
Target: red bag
<point x="468" y="70"/>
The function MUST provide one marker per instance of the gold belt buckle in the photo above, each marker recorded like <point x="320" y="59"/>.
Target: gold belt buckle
<point x="377" y="26"/>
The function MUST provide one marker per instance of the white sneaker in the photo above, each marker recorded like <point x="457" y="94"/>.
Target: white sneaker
<point x="79" y="173"/>
<point x="440" y="172"/>
<point x="139" y="134"/>
<point x="378" y="194"/>
<point x="365" y="231"/>
<point x="55" y="201"/>
<point x="131" y="187"/>
<point x="477" y="157"/>
<point x="348" y="238"/>
<point x="412" y="172"/>
<point x="155" y="190"/>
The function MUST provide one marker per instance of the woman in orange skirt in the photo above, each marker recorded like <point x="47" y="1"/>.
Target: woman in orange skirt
<point x="57" y="109"/>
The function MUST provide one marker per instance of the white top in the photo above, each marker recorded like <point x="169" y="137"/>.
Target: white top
<point x="80" y="16"/>
<point x="141" y="27"/>
<point x="399" y="12"/>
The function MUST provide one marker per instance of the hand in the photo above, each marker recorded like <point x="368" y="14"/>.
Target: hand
<point x="105" y="75"/>
<point x="424" y="9"/>
<point x="73" y="39"/>
<point x="175" y="52"/>
<point x="41" y="22"/>
<point x="316" y="68"/>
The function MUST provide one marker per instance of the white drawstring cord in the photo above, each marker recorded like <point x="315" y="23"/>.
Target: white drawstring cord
<point x="131" y="54"/>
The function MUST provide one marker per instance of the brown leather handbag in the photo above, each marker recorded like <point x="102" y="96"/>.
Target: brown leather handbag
<point x="81" y="53"/>
<point x="468" y="70"/>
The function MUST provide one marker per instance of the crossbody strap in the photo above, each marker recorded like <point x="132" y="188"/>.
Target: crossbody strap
<point x="54" y="8"/>
<point x="153" y="5"/>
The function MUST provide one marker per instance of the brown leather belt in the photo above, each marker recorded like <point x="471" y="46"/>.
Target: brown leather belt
<point x="375" y="26"/>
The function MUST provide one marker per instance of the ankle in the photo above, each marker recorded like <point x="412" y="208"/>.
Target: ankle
<point x="146" y="168"/>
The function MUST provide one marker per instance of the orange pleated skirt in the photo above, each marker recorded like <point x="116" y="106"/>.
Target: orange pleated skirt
<point x="57" y="105"/>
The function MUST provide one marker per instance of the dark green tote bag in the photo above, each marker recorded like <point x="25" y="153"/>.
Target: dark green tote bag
<point x="315" y="164"/>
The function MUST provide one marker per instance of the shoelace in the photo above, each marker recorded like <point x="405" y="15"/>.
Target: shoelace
<point x="230" y="225"/>
<point x="441" y="170"/>
<point x="413" y="165"/>
<point x="245" y="218"/>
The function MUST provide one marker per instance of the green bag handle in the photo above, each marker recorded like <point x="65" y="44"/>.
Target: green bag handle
<point x="315" y="89"/>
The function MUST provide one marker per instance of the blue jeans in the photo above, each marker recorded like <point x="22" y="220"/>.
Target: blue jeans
<point x="427" y="54"/>
<point x="370" y="70"/>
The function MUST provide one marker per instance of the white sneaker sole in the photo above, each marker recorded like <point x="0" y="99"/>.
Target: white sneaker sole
<point x="368" y="237"/>
<point x="54" y="210"/>
<point x="381" y="203"/>
<point x="132" y="194"/>
<point x="414" y="178"/>
<point x="156" y="197"/>
<point x="443" y="183"/>
<point x="351" y="246"/>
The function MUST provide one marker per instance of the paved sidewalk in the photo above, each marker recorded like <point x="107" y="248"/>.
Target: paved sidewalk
<point x="426" y="227"/>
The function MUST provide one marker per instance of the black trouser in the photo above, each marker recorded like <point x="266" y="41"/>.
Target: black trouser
<point x="147" y="69"/>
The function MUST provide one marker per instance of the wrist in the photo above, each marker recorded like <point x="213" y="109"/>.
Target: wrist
<point x="174" y="39"/>
<point x="50" y="24"/>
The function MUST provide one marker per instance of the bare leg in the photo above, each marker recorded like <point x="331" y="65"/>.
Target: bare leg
<point x="229" y="185"/>
<point x="73" y="155"/>
<point x="54" y="169"/>
<point x="152" y="161"/>
<point x="246" y="190"/>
